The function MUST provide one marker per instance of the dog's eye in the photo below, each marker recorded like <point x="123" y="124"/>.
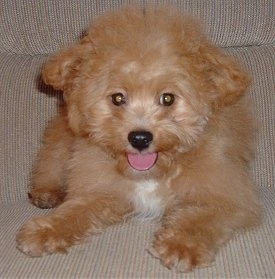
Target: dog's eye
<point x="167" y="99"/>
<point x="118" y="99"/>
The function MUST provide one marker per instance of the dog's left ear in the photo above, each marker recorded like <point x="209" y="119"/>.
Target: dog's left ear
<point x="230" y="81"/>
<point x="60" y="70"/>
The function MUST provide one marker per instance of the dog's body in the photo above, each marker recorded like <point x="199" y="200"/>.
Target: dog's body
<point x="154" y="127"/>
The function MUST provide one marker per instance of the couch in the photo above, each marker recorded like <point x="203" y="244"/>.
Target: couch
<point x="30" y="31"/>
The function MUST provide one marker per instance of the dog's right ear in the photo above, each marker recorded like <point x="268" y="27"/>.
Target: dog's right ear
<point x="60" y="70"/>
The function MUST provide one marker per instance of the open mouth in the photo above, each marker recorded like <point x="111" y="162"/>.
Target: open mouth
<point x="142" y="161"/>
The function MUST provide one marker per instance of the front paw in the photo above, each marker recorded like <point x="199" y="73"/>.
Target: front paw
<point x="38" y="237"/>
<point x="182" y="252"/>
<point x="46" y="197"/>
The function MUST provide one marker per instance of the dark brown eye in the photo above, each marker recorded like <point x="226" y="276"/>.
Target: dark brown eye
<point x="118" y="99"/>
<point x="167" y="99"/>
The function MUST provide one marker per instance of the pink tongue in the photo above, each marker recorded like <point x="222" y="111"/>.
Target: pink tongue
<point x="142" y="162"/>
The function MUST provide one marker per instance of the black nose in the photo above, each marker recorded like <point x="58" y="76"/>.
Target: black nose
<point x="140" y="139"/>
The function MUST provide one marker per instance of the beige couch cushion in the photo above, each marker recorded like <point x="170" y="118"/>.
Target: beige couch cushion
<point x="41" y="27"/>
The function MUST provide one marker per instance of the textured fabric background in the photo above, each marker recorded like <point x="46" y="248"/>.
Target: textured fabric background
<point x="41" y="27"/>
<point x="29" y="32"/>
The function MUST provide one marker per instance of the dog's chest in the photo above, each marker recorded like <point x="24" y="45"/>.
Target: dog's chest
<point x="147" y="201"/>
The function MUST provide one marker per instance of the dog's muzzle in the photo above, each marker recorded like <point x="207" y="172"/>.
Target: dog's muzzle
<point x="141" y="161"/>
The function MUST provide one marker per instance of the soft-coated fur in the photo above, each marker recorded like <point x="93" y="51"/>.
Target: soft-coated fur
<point x="145" y="89"/>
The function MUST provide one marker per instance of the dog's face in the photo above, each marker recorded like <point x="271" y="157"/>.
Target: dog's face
<point x="144" y="113"/>
<point x="144" y="92"/>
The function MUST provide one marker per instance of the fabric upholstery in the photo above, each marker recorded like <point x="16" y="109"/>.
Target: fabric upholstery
<point x="32" y="30"/>
<point x="41" y="27"/>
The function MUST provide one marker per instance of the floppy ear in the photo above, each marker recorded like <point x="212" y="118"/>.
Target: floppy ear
<point x="230" y="81"/>
<point x="60" y="69"/>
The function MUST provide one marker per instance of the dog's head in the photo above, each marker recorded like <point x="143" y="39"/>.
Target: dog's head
<point x="144" y="85"/>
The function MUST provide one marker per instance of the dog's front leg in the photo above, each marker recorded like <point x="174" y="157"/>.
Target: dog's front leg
<point x="190" y="236"/>
<point x="70" y="223"/>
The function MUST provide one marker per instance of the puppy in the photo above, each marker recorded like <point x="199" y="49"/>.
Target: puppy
<point x="154" y="127"/>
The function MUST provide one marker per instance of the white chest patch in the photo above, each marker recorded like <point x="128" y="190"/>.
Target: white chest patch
<point x="148" y="205"/>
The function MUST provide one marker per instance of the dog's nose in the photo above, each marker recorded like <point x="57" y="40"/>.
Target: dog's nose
<point x="140" y="139"/>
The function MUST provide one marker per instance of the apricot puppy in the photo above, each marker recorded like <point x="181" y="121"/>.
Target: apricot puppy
<point x="154" y="126"/>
